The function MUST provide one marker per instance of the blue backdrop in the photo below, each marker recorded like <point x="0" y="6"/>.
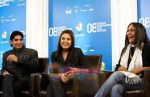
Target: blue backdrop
<point x="12" y="17"/>
<point x="144" y="14"/>
<point x="90" y="21"/>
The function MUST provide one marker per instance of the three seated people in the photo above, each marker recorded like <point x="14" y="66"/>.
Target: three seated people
<point x="20" y="62"/>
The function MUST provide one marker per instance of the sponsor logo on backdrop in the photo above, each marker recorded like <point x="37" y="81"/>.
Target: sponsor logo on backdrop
<point x="55" y="31"/>
<point x="4" y="34"/>
<point x="79" y="27"/>
<point x="91" y="28"/>
<point x="145" y="21"/>
<point x="10" y="18"/>
<point x="4" y="3"/>
<point x="79" y="9"/>
<point x="76" y="9"/>
<point x="97" y="27"/>
<point x="68" y="10"/>
<point x="21" y="3"/>
<point x="91" y="49"/>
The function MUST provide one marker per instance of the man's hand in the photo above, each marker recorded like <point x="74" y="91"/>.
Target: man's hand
<point x="5" y="73"/>
<point x="12" y="57"/>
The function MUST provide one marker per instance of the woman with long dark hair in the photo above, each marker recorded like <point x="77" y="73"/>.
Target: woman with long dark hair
<point x="66" y="56"/>
<point x="135" y="57"/>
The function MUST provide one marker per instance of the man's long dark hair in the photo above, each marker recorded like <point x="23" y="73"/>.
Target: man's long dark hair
<point x="59" y="48"/>
<point x="140" y="35"/>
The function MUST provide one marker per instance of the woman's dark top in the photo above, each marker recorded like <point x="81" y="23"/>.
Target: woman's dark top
<point x="75" y="58"/>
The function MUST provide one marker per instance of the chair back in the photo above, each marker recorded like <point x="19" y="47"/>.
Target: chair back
<point x="93" y="61"/>
<point x="43" y="65"/>
<point x="86" y="85"/>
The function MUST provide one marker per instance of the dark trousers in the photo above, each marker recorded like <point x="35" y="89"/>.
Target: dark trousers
<point x="11" y="86"/>
<point x="57" y="88"/>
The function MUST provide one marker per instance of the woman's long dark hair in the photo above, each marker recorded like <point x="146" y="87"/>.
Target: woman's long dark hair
<point x="140" y="35"/>
<point x="59" y="48"/>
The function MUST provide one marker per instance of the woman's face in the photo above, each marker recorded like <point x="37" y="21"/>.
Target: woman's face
<point x="131" y="34"/>
<point x="65" y="41"/>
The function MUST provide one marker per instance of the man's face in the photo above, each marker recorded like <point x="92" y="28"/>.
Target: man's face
<point x="17" y="42"/>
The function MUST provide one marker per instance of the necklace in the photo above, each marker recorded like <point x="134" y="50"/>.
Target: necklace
<point x="131" y="56"/>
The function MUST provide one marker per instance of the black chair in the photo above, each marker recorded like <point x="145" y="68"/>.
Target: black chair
<point x="86" y="85"/>
<point x="31" y="91"/>
<point x="25" y="93"/>
<point x="93" y="61"/>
